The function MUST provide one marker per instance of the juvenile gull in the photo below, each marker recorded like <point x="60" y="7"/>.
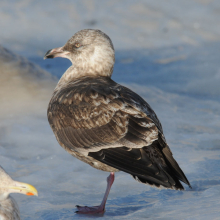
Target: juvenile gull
<point x="8" y="206"/>
<point x="105" y="124"/>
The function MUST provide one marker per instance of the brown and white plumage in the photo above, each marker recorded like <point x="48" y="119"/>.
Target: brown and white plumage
<point x="103" y="123"/>
<point x="8" y="206"/>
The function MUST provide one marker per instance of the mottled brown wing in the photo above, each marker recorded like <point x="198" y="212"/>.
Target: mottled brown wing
<point x="101" y="118"/>
<point x="147" y="165"/>
<point x="86" y="116"/>
<point x="166" y="167"/>
<point x="86" y="119"/>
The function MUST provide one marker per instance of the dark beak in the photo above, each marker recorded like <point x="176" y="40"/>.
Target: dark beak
<point x="48" y="55"/>
<point x="56" y="52"/>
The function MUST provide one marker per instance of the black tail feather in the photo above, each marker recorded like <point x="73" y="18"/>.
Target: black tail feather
<point x="149" y="165"/>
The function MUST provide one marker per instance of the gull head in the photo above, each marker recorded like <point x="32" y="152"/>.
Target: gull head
<point x="8" y="185"/>
<point x="90" y="51"/>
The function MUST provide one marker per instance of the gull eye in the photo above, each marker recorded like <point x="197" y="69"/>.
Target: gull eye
<point x="77" y="45"/>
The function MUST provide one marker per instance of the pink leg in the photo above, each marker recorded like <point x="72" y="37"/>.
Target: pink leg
<point x="101" y="208"/>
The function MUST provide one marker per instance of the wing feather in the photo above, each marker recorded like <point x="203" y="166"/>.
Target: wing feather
<point x="102" y="121"/>
<point x="146" y="165"/>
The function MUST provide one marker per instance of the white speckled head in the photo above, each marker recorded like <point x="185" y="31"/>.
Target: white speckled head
<point x="8" y="185"/>
<point x="5" y="180"/>
<point x="90" y="51"/>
